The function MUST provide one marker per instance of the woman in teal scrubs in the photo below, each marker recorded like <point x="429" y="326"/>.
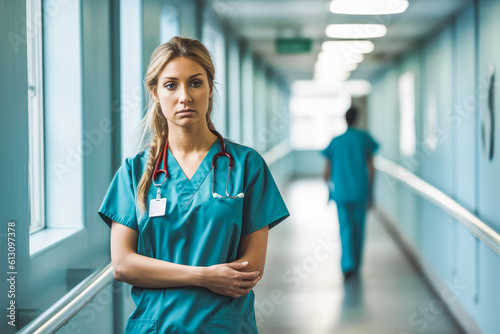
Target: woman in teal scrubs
<point x="191" y="252"/>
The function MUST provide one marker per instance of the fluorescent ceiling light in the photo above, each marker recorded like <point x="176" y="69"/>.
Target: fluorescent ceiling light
<point x="348" y="47"/>
<point x="332" y="76"/>
<point x="325" y="66"/>
<point x="368" y="7"/>
<point x="356" y="30"/>
<point x="336" y="58"/>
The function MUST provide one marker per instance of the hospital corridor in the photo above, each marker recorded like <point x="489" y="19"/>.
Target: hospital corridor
<point x="250" y="166"/>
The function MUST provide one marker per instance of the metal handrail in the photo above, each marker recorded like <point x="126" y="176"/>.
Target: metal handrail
<point x="71" y="303"/>
<point x="277" y="152"/>
<point x="475" y="225"/>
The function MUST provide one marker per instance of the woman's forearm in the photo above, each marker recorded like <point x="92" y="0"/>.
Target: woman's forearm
<point x="226" y="279"/>
<point x="147" y="272"/>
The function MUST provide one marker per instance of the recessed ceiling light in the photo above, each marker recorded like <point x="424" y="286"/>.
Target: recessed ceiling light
<point x="338" y="58"/>
<point x="368" y="7"/>
<point x="348" y="47"/>
<point x="356" y="30"/>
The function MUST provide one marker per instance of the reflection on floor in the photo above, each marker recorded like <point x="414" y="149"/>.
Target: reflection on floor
<point x="302" y="290"/>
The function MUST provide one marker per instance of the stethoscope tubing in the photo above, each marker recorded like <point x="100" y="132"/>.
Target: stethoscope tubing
<point x="222" y="153"/>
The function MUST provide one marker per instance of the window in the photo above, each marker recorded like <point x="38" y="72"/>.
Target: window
<point x="35" y="109"/>
<point x="316" y="116"/>
<point x="131" y="102"/>
<point x="408" y="141"/>
<point x="431" y="120"/>
<point x="57" y="141"/>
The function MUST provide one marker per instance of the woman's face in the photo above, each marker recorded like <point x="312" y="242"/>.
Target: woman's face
<point x="183" y="92"/>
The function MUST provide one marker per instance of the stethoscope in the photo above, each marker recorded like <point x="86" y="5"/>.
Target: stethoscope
<point x="222" y="153"/>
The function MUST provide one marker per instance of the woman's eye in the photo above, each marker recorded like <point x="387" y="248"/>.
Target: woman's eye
<point x="170" y="86"/>
<point x="196" y="83"/>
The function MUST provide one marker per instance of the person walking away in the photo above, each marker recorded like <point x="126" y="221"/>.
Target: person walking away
<point x="350" y="173"/>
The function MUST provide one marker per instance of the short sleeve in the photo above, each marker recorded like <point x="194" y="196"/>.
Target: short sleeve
<point x="119" y="202"/>
<point x="262" y="204"/>
<point x="371" y="145"/>
<point x="327" y="152"/>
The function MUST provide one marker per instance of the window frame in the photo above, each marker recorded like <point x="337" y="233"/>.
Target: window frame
<point x="34" y="41"/>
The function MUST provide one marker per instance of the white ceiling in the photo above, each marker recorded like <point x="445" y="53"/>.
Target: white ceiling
<point x="260" y="22"/>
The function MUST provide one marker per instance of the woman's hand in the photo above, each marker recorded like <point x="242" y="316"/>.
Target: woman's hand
<point x="227" y="279"/>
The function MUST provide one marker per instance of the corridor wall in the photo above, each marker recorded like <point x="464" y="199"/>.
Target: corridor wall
<point x="453" y="105"/>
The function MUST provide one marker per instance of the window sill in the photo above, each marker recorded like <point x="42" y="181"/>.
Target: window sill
<point x="46" y="239"/>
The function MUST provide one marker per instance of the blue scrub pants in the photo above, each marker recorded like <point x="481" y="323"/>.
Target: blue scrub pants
<point x="352" y="233"/>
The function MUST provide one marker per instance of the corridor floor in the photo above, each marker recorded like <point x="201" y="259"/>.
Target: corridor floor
<point x="302" y="290"/>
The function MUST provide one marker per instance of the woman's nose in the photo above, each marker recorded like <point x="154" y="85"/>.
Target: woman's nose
<point x="184" y="96"/>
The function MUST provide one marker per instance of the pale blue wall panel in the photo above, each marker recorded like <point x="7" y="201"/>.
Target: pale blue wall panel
<point x="489" y="55"/>
<point x="189" y="27"/>
<point x="438" y="165"/>
<point x="247" y="100"/>
<point x="463" y="118"/>
<point x="151" y="10"/>
<point x="383" y="118"/>
<point x="14" y="147"/>
<point x="436" y="242"/>
<point x="383" y="115"/>
<point x="234" y="89"/>
<point x="410" y="204"/>
<point x="489" y="293"/>
<point x="97" y="99"/>
<point x="467" y="268"/>
<point x="437" y="237"/>
<point x="448" y="74"/>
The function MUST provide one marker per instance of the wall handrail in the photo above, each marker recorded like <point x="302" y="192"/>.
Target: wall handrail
<point x="471" y="222"/>
<point x="277" y="152"/>
<point x="71" y="303"/>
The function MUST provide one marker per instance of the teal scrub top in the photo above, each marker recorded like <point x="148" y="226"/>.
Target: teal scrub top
<point x="349" y="173"/>
<point x="197" y="230"/>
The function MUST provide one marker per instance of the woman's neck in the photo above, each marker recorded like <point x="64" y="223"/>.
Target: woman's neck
<point x="190" y="140"/>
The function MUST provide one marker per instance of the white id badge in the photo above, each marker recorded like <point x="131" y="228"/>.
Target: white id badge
<point x="157" y="207"/>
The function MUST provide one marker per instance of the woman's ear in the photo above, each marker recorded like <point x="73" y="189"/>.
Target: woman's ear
<point x="154" y="95"/>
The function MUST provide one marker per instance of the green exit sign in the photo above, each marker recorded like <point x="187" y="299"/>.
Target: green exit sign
<point x="293" y="45"/>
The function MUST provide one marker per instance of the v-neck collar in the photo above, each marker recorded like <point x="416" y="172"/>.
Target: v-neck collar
<point x="186" y="188"/>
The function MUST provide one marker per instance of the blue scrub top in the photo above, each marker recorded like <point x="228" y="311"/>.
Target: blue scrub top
<point x="349" y="174"/>
<point x="197" y="230"/>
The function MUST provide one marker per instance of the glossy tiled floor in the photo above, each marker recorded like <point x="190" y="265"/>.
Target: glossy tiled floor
<point x="303" y="290"/>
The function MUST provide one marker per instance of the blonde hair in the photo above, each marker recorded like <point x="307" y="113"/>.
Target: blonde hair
<point x="154" y="127"/>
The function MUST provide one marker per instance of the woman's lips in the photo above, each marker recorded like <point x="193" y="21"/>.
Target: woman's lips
<point x="185" y="112"/>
